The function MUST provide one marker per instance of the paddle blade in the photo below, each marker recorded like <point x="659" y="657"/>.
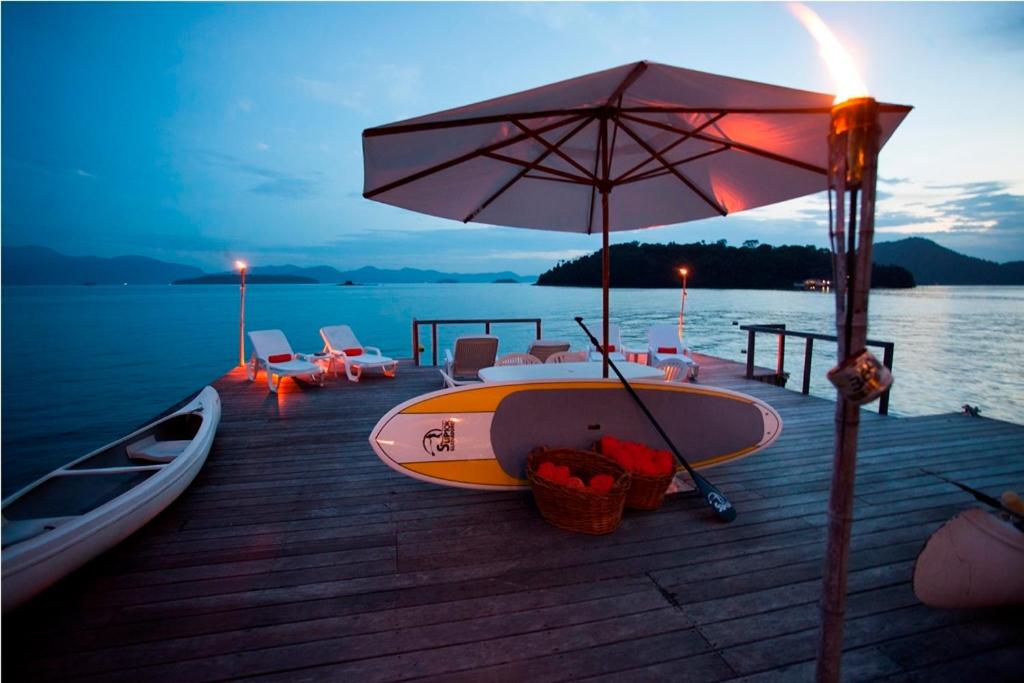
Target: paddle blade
<point x="715" y="499"/>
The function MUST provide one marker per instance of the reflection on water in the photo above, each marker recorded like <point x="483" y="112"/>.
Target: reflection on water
<point x="84" y="365"/>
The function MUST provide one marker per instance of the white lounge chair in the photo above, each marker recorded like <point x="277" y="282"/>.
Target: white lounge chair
<point x="272" y="353"/>
<point x="345" y="350"/>
<point x="542" y="348"/>
<point x="663" y="344"/>
<point x="614" y="345"/>
<point x="472" y="354"/>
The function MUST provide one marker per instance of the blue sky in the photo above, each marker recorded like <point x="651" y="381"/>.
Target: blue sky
<point x="200" y="133"/>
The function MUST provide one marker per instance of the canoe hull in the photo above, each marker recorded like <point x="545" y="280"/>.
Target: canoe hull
<point x="973" y="560"/>
<point x="40" y="560"/>
<point x="479" y="436"/>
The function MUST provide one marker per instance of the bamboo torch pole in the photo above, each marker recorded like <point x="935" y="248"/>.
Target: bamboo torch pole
<point x="853" y="156"/>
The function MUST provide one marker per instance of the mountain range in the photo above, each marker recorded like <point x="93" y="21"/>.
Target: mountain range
<point x="932" y="264"/>
<point x="45" y="266"/>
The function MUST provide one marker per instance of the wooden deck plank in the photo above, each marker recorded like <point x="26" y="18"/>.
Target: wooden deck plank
<point x="297" y="554"/>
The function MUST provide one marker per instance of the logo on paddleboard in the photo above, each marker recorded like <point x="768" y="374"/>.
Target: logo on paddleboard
<point x="440" y="440"/>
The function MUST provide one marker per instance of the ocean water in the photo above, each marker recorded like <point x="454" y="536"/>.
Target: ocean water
<point x="82" y="366"/>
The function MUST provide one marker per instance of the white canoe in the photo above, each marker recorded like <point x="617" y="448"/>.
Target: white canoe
<point x="974" y="560"/>
<point x="58" y="523"/>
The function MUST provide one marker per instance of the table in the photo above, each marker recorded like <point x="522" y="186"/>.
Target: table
<point x="508" y="373"/>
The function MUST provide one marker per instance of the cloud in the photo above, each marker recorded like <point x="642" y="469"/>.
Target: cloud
<point x="276" y="183"/>
<point x="333" y="93"/>
<point x="262" y="146"/>
<point x="83" y="174"/>
<point x="983" y="210"/>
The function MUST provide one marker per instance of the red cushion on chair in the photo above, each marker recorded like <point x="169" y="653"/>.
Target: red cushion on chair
<point x="667" y="349"/>
<point x="611" y="348"/>
<point x="280" y="358"/>
<point x="352" y="352"/>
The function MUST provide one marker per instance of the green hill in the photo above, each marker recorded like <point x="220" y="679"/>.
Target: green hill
<point x="933" y="264"/>
<point x="710" y="265"/>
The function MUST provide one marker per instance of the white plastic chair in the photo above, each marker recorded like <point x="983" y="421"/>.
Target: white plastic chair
<point x="518" y="359"/>
<point x="272" y="353"/>
<point x="663" y="344"/>
<point x="676" y="370"/>
<point x="345" y="349"/>
<point x="614" y="344"/>
<point x="568" y="357"/>
<point x="542" y="348"/>
<point x="472" y="353"/>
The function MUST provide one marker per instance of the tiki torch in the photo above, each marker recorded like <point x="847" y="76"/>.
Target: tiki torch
<point x="854" y="140"/>
<point x="242" y="266"/>
<point x="682" y="308"/>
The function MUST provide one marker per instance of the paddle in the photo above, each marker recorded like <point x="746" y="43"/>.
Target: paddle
<point x="711" y="494"/>
<point x="979" y="496"/>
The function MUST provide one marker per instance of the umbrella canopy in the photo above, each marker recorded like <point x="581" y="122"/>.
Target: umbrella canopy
<point x="636" y="146"/>
<point x="671" y="144"/>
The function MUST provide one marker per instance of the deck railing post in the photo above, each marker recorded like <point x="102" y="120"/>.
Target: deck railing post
<point x="750" y="353"/>
<point x="433" y="341"/>
<point x="538" y="328"/>
<point x="883" y="402"/>
<point x="487" y="327"/>
<point x="780" y="361"/>
<point x="808" y="351"/>
<point x="415" y="342"/>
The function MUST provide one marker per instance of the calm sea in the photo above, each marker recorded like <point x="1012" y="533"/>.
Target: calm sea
<point x="82" y="366"/>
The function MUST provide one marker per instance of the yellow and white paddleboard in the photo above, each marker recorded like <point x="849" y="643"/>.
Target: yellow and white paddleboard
<point x="479" y="436"/>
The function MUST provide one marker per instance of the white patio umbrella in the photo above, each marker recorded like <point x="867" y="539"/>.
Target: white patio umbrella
<point x="637" y="146"/>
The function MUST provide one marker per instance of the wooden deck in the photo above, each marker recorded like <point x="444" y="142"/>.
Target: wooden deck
<point x="297" y="555"/>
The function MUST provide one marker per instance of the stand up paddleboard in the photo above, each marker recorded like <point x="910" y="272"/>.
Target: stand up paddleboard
<point x="478" y="436"/>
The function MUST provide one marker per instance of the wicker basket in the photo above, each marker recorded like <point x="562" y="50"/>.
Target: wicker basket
<point x="572" y="509"/>
<point x="645" y="492"/>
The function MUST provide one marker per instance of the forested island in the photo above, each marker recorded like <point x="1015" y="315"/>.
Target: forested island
<point x="752" y="266"/>
<point x="252" y="279"/>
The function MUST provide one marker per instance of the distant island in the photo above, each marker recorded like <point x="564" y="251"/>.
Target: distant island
<point x="933" y="264"/>
<point x="254" y="279"/>
<point x="752" y="266"/>
<point x="31" y="265"/>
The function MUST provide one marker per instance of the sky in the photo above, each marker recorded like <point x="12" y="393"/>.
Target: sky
<point x="200" y="133"/>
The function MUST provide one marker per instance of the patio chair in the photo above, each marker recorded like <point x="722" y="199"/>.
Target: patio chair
<point x="676" y="370"/>
<point x="518" y="359"/>
<point x="341" y="343"/>
<point x="568" y="357"/>
<point x="471" y="354"/>
<point x="542" y="348"/>
<point x="614" y="345"/>
<point x="272" y="353"/>
<point x="663" y="344"/>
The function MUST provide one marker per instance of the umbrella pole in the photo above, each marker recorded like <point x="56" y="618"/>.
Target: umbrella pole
<point x="854" y="144"/>
<point x="605" y="283"/>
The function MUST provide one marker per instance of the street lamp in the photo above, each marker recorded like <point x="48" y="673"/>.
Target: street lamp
<point x="242" y="267"/>
<point x="682" y="307"/>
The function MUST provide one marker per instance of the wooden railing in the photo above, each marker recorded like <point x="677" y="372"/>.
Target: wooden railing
<point x="781" y="332"/>
<point x="481" y="321"/>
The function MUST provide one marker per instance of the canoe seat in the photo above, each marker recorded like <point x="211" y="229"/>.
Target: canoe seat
<point x="18" y="530"/>
<point x="151" y="450"/>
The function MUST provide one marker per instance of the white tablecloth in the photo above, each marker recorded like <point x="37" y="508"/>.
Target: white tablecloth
<point x="508" y="373"/>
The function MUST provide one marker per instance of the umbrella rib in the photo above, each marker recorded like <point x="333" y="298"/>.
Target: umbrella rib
<point x="657" y="172"/>
<point x="523" y="173"/>
<point x="536" y="166"/>
<point x="370" y="194"/>
<point x="684" y="137"/>
<point x="674" y="171"/>
<point x="732" y="144"/>
<point x="556" y="149"/>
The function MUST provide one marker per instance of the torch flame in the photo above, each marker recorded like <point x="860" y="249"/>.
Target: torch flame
<point x="840" y="64"/>
<point x="241" y="265"/>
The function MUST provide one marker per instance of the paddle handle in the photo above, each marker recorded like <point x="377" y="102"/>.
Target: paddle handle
<point x="979" y="496"/>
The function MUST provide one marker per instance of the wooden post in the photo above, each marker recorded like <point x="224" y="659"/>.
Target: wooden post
<point x="853" y="152"/>
<point x="241" y="320"/>
<point x="750" y="353"/>
<point x="808" y="352"/>
<point x="538" y="328"/>
<point x="433" y="341"/>
<point x="415" y="343"/>
<point x="780" y="359"/>
<point x="883" y="402"/>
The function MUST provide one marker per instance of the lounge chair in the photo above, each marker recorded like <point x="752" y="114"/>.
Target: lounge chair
<point x="542" y="348"/>
<point x="663" y="344"/>
<point x="518" y="359"/>
<point x="272" y="352"/>
<point x="471" y="355"/>
<point x="345" y="350"/>
<point x="614" y="345"/>
<point x="568" y="357"/>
